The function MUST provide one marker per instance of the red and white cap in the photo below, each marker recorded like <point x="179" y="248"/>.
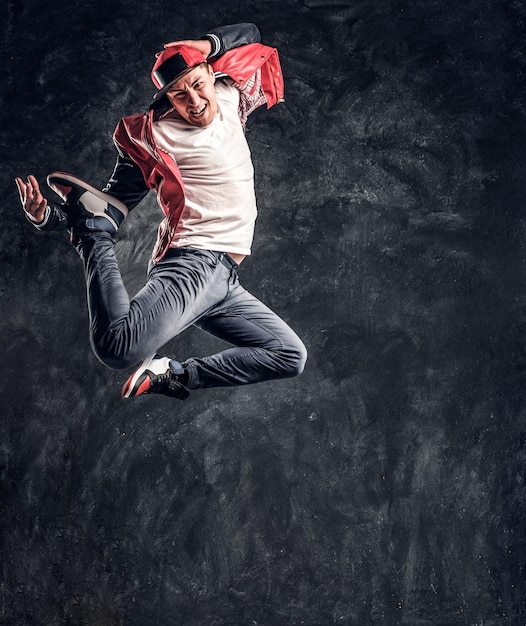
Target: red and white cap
<point x="172" y="63"/>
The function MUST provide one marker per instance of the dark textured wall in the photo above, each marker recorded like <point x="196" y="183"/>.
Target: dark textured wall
<point x="386" y="485"/>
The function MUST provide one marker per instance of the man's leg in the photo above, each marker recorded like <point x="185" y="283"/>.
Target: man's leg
<point x="180" y="289"/>
<point x="266" y="347"/>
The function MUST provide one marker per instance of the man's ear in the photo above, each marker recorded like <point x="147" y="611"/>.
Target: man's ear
<point x="211" y="70"/>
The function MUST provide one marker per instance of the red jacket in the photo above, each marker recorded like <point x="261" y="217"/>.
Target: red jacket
<point x="134" y="136"/>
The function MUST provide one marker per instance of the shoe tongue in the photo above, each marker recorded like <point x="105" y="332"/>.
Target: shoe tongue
<point x="176" y="367"/>
<point x="62" y="190"/>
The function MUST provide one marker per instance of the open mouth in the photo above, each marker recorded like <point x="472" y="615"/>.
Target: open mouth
<point x="199" y="113"/>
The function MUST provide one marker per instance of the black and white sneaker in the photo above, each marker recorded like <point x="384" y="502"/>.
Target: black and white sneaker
<point x="87" y="208"/>
<point x="157" y="374"/>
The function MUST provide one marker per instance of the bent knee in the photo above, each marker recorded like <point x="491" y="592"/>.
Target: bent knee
<point x="294" y="358"/>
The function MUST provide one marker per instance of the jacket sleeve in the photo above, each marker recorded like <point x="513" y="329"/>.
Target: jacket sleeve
<point x="126" y="182"/>
<point x="54" y="219"/>
<point x="224" y="38"/>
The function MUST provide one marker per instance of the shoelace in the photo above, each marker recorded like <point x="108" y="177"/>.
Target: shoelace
<point x="168" y="384"/>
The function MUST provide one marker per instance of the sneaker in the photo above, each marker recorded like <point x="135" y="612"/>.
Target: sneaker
<point x="87" y="208"/>
<point x="157" y="374"/>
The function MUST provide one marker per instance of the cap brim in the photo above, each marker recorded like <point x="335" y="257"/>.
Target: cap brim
<point x="163" y="91"/>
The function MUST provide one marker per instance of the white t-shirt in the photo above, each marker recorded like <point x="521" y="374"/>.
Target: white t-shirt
<point x="216" y="168"/>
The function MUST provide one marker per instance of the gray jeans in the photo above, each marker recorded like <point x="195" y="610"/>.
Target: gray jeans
<point x="187" y="287"/>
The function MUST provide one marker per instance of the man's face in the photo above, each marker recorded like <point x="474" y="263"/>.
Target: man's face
<point x="193" y="96"/>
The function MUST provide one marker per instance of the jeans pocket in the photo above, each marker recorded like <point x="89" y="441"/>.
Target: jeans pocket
<point x="206" y="256"/>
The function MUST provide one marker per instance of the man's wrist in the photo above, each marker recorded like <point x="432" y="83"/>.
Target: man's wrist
<point x="225" y="38"/>
<point x="36" y="222"/>
<point x="215" y="43"/>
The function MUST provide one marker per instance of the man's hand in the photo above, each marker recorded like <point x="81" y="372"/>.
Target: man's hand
<point x="33" y="202"/>
<point x="203" y="45"/>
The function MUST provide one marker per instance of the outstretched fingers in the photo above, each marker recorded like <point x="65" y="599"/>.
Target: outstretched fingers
<point x="31" y="198"/>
